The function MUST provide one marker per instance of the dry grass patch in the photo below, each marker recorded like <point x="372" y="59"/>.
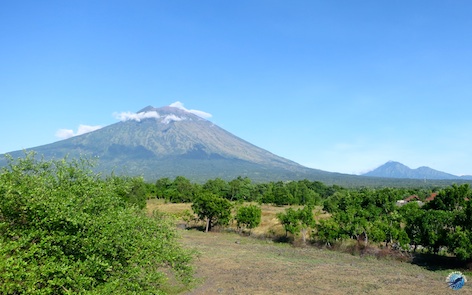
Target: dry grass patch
<point x="231" y="264"/>
<point x="169" y="208"/>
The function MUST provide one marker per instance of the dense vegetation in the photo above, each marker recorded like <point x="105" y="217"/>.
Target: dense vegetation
<point x="441" y="224"/>
<point x="66" y="230"/>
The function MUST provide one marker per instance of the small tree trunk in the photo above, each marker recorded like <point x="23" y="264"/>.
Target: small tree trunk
<point x="207" y="225"/>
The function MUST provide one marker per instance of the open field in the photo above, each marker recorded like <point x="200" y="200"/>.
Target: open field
<point x="270" y="226"/>
<point x="231" y="264"/>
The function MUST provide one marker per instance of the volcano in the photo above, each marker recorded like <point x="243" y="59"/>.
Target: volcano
<point x="170" y="142"/>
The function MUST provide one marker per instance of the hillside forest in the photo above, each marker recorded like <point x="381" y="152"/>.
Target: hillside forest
<point x="65" y="229"/>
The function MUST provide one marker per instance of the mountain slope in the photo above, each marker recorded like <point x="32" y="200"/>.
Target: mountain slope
<point x="167" y="142"/>
<point x="393" y="169"/>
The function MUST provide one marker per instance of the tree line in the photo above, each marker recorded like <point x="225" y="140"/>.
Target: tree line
<point x="182" y="190"/>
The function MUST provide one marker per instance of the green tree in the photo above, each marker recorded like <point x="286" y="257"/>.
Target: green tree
<point x="328" y="231"/>
<point x="281" y="194"/>
<point x="434" y="227"/>
<point x="412" y="216"/>
<point x="249" y="216"/>
<point x="217" y="186"/>
<point x="66" y="230"/>
<point x="451" y="198"/>
<point x="212" y="209"/>
<point x="289" y="220"/>
<point x="181" y="190"/>
<point x="297" y="221"/>
<point x="306" y="219"/>
<point x="162" y="185"/>
<point x="240" y="189"/>
<point x="459" y="243"/>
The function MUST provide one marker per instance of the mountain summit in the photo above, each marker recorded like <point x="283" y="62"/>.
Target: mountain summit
<point x="171" y="141"/>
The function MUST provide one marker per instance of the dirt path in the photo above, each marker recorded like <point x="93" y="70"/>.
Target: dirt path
<point x="230" y="264"/>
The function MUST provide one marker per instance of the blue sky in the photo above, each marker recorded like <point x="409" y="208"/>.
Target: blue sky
<point x="342" y="86"/>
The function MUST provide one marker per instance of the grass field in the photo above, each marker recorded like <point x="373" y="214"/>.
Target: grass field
<point x="231" y="264"/>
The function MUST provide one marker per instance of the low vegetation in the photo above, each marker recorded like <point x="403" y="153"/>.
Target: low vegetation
<point x="65" y="230"/>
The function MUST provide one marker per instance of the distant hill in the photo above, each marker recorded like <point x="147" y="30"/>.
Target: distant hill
<point x="394" y="169"/>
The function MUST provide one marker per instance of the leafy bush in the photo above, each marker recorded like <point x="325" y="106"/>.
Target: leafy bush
<point x="249" y="216"/>
<point x="65" y="230"/>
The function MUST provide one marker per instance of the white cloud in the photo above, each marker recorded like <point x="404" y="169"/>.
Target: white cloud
<point x="125" y="116"/>
<point x="64" y="133"/>
<point x="201" y="114"/>
<point x="87" y="128"/>
<point x="68" y="133"/>
<point x="169" y="118"/>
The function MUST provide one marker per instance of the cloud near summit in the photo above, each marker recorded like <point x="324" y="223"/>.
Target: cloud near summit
<point x="180" y="105"/>
<point x="125" y="116"/>
<point x="68" y="133"/>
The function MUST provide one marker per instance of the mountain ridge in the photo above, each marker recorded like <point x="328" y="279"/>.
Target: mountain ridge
<point x="393" y="169"/>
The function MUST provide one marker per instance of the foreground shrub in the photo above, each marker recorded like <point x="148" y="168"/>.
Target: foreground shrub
<point x="65" y="230"/>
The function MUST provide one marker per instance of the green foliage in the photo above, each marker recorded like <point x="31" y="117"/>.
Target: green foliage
<point x="249" y="216"/>
<point x="434" y="228"/>
<point x="218" y="187"/>
<point x="459" y="243"/>
<point x="364" y="210"/>
<point x="180" y="190"/>
<point x="133" y="190"/>
<point x="328" y="231"/>
<point x="296" y="221"/>
<point x="289" y="220"/>
<point x="240" y="189"/>
<point x="443" y="223"/>
<point x="306" y="220"/>
<point x="451" y="198"/>
<point x="212" y="209"/>
<point x="65" y="230"/>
